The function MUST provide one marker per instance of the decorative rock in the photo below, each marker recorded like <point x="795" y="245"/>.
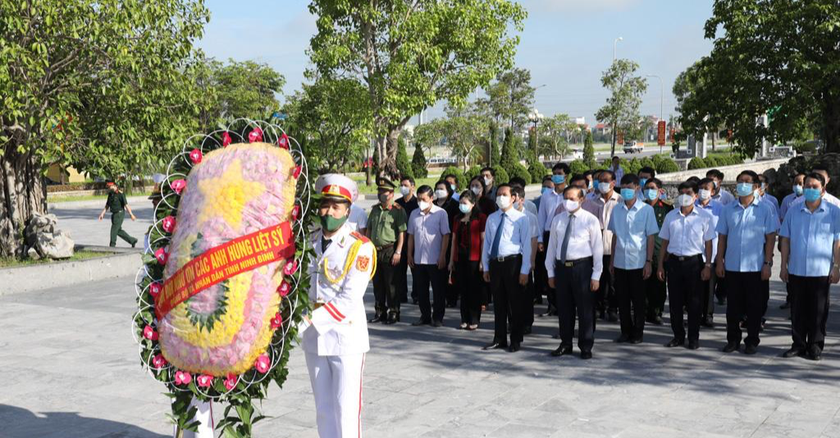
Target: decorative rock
<point x="43" y="240"/>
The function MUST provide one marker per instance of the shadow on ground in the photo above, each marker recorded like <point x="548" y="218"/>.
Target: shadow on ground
<point x="22" y="423"/>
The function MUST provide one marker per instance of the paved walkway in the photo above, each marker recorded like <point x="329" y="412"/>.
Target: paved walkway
<point x="71" y="370"/>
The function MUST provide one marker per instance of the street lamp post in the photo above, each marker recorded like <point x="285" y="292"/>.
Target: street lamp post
<point x="535" y="117"/>
<point x="661" y="99"/>
<point x="615" y="42"/>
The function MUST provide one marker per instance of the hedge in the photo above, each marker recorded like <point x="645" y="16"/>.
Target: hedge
<point x="463" y="182"/>
<point x="522" y="172"/>
<point x="697" y="163"/>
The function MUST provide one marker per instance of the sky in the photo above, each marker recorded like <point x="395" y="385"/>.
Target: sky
<point x="566" y="44"/>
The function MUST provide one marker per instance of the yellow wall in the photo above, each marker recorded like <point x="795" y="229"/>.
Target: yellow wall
<point x="61" y="175"/>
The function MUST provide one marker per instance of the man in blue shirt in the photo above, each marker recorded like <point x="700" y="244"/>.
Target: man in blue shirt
<point x="506" y="259"/>
<point x="746" y="236"/>
<point x="713" y="206"/>
<point x="810" y="255"/>
<point x="798" y="190"/>
<point x="633" y="224"/>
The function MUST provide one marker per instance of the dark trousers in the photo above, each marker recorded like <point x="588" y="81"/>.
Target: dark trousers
<point x="540" y="274"/>
<point x="765" y="297"/>
<point x="630" y="293"/>
<point x="810" y="303"/>
<point x="684" y="292"/>
<point x="656" y="296"/>
<point x="606" y="290"/>
<point x="383" y="286"/>
<point x="574" y="298"/>
<point x="423" y="276"/>
<point x="117" y="219"/>
<point x="401" y="277"/>
<point x="530" y="295"/>
<point x="707" y="306"/>
<point x="469" y="281"/>
<point x="508" y="298"/>
<point x="720" y="288"/>
<point x="745" y="296"/>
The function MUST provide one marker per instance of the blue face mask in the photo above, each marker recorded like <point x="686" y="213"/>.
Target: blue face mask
<point x="744" y="189"/>
<point x="797" y="189"/>
<point x="628" y="194"/>
<point x="651" y="194"/>
<point x="558" y="179"/>
<point x="642" y="182"/>
<point x="812" y="195"/>
<point x="546" y="190"/>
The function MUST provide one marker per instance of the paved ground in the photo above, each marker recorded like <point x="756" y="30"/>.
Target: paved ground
<point x="71" y="370"/>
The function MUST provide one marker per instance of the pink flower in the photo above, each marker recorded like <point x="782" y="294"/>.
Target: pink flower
<point x="161" y="256"/>
<point x="195" y="156"/>
<point x="158" y="361"/>
<point x="204" y="381"/>
<point x="183" y="378"/>
<point x="226" y="140"/>
<point x="178" y="185"/>
<point x="296" y="212"/>
<point x="283" y="142"/>
<point x="298" y="170"/>
<point x="150" y="333"/>
<point x="255" y="135"/>
<point x="291" y="267"/>
<point x="277" y="321"/>
<point x="284" y="289"/>
<point x="168" y="224"/>
<point x="154" y="289"/>
<point x="231" y="381"/>
<point x="263" y="363"/>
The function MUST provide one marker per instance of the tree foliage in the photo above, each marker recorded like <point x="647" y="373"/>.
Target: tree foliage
<point x="405" y="166"/>
<point x="510" y="151"/>
<point x="418" y="163"/>
<point x="588" y="150"/>
<point x="554" y="134"/>
<point x="622" y="108"/>
<point x="509" y="98"/>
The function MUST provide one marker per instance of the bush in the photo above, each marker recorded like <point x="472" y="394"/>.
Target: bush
<point x="588" y="150"/>
<point x="712" y="161"/>
<point x="632" y="167"/>
<point x="418" y="163"/>
<point x="537" y="170"/>
<point x="405" y="167"/>
<point x="647" y="162"/>
<point x="501" y="175"/>
<point x="578" y="167"/>
<point x="522" y="172"/>
<point x="473" y="172"/>
<point x="697" y="163"/>
<point x="667" y="165"/>
<point x="510" y="152"/>
<point x="463" y="182"/>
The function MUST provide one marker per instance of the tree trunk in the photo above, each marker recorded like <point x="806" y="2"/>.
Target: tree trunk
<point x="388" y="157"/>
<point x="23" y="193"/>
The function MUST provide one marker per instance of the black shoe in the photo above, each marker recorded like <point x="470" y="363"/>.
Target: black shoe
<point x="793" y="352"/>
<point x="750" y="349"/>
<point x="786" y="305"/>
<point x="622" y="339"/>
<point x="133" y="243"/>
<point x="527" y="330"/>
<point x="693" y="345"/>
<point x="494" y="346"/>
<point x="437" y="324"/>
<point x="421" y="322"/>
<point x="675" y="343"/>
<point x="657" y="320"/>
<point x="602" y="314"/>
<point x="612" y="316"/>
<point x="585" y="355"/>
<point x="708" y="323"/>
<point x="562" y="351"/>
<point x="814" y="353"/>
<point x="379" y="317"/>
<point x="730" y="347"/>
<point x="393" y="318"/>
<point x="636" y="340"/>
<point x="514" y="347"/>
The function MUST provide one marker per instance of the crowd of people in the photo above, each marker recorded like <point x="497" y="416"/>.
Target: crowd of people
<point x="606" y="245"/>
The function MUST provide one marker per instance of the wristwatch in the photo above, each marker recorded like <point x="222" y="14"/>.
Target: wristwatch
<point x="708" y="265"/>
<point x="770" y="263"/>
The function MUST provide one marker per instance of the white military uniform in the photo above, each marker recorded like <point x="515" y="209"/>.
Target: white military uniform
<point x="336" y="341"/>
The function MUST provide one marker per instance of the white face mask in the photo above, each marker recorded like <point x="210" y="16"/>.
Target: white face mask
<point x="685" y="200"/>
<point x="405" y="190"/>
<point x="570" y="205"/>
<point x="424" y="205"/>
<point x="476" y="190"/>
<point x="503" y="202"/>
<point x="604" y="187"/>
<point x="441" y="194"/>
<point x="488" y="181"/>
<point x="705" y="194"/>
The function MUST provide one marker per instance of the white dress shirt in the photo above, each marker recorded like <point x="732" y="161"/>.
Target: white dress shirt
<point x="548" y="205"/>
<point x="585" y="241"/>
<point x="687" y="235"/>
<point x="357" y="220"/>
<point x="606" y="207"/>
<point x="516" y="238"/>
<point x="530" y="207"/>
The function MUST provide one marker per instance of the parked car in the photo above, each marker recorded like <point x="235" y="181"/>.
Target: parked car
<point x="632" y="147"/>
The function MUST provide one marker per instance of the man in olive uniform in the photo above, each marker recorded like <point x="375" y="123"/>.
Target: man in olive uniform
<point x="386" y="226"/>
<point x="654" y="288"/>
<point x="118" y="205"/>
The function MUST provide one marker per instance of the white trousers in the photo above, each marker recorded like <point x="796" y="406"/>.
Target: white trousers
<point x="204" y="415"/>
<point x="337" y="384"/>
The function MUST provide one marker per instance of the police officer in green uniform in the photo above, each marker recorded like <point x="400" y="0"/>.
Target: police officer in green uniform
<point x="118" y="205"/>
<point x="655" y="289"/>
<point x="386" y="228"/>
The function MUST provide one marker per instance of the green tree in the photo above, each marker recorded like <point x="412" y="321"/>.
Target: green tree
<point x="418" y="163"/>
<point x="622" y="108"/>
<point x="554" y="134"/>
<point x="405" y="167"/>
<point x="411" y="54"/>
<point x="495" y="155"/>
<point x="510" y="153"/>
<point x="588" y="150"/>
<point x="510" y="98"/>
<point x="105" y="86"/>
<point x="248" y="89"/>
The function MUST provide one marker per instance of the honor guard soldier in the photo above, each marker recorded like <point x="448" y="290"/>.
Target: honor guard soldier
<point x="387" y="224"/>
<point x="335" y="334"/>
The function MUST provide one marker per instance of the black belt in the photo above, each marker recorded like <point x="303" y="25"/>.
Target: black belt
<point x="690" y="258"/>
<point x="571" y="263"/>
<point x="380" y="248"/>
<point x="506" y="258"/>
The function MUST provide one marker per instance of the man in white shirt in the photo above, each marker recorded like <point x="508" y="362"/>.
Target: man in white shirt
<point x="506" y="253"/>
<point x="574" y="261"/>
<point x="606" y="304"/>
<point x="687" y="235"/>
<point x="518" y="193"/>
<point x="720" y="195"/>
<point x="428" y="238"/>
<point x="549" y="204"/>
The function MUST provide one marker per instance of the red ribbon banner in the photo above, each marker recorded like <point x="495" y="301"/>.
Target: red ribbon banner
<point x="217" y="264"/>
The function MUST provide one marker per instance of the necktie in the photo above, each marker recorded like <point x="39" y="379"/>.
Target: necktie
<point x="494" y="250"/>
<point x="566" y="236"/>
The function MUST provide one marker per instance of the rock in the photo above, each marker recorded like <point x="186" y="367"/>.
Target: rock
<point x="45" y="241"/>
<point x="33" y="254"/>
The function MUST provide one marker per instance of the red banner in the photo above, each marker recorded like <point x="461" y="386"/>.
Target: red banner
<point x="240" y="255"/>
<point x="661" y="139"/>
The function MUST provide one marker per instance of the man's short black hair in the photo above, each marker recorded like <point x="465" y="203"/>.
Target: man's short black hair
<point x="501" y="186"/>
<point x="819" y="168"/>
<point x="762" y="178"/>
<point x="518" y="180"/>
<point x="688" y="185"/>
<point x="518" y="190"/>
<point x="753" y="176"/>
<point x="424" y="189"/>
<point x="607" y="172"/>
<point x="816" y="176"/>
<point x="694" y="179"/>
<point x="562" y="166"/>
<point x="408" y="178"/>
<point x="654" y="181"/>
<point x="630" y="179"/>
<point x="714" y="173"/>
<point x="547" y="178"/>
<point x="615" y="157"/>
<point x="648" y="170"/>
<point x="489" y="169"/>
<point x="451" y="175"/>
<point x="705" y="181"/>
<point x="577" y="178"/>
<point x="580" y="191"/>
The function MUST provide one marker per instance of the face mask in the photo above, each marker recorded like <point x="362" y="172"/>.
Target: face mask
<point x="558" y="179"/>
<point x="453" y="187"/>
<point x="651" y="194"/>
<point x="628" y="194"/>
<point x="744" y="189"/>
<point x="705" y="194"/>
<point x="589" y="185"/>
<point x="685" y="200"/>
<point x="424" y="205"/>
<point x="331" y="224"/>
<point x="384" y="198"/>
<point x="642" y="182"/>
<point x="545" y="190"/>
<point x="570" y="205"/>
<point x="503" y="202"/>
<point x="812" y="195"/>
<point x="798" y="190"/>
<point x="465" y="208"/>
<point x="405" y="190"/>
<point x="717" y="184"/>
<point x="476" y="190"/>
<point x="763" y="186"/>
<point x="604" y="187"/>
<point x="441" y="194"/>
<point x="488" y="181"/>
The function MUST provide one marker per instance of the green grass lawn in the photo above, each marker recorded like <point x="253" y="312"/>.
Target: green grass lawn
<point x="78" y="256"/>
<point x="64" y="198"/>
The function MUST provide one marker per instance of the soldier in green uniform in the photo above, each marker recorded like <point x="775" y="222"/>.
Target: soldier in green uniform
<point x="655" y="289"/>
<point x="118" y="205"/>
<point x="386" y="228"/>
